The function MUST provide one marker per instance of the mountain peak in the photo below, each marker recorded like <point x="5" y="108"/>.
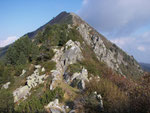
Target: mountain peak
<point x="104" y="50"/>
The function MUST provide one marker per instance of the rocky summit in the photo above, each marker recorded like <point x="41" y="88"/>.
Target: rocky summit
<point x="66" y="66"/>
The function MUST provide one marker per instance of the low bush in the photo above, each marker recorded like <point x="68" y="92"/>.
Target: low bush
<point x="140" y="96"/>
<point x="74" y="68"/>
<point x="115" y="100"/>
<point x="50" y="65"/>
<point x="6" y="101"/>
<point x="6" y="74"/>
<point x="57" y="35"/>
<point x="36" y="104"/>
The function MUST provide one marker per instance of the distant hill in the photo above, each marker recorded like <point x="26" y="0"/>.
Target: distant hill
<point x="145" y="66"/>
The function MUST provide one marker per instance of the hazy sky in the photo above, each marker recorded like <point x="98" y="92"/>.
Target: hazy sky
<point x="124" y="22"/>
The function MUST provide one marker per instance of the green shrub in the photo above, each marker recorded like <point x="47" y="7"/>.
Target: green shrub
<point x="91" y="63"/>
<point x="36" y="104"/>
<point x="46" y="53"/>
<point x="6" y="101"/>
<point x="77" y="67"/>
<point x="57" y="35"/>
<point x="6" y="74"/>
<point x="21" y="52"/>
<point x="50" y="65"/>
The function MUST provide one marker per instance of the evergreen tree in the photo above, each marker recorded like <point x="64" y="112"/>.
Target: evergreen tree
<point x="22" y="59"/>
<point x="21" y="51"/>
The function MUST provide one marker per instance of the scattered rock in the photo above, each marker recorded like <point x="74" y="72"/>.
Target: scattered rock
<point x="43" y="69"/>
<point x="6" y="86"/>
<point x="23" y="72"/>
<point x="35" y="78"/>
<point x="55" y="107"/>
<point x="99" y="98"/>
<point x="31" y="82"/>
<point x="37" y="66"/>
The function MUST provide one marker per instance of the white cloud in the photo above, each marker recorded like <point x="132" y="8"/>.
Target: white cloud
<point x="121" y="42"/>
<point x="116" y="16"/>
<point x="8" y="40"/>
<point x="141" y="48"/>
<point x="124" y="22"/>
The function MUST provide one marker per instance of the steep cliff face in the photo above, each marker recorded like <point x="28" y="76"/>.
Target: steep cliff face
<point x="105" y="51"/>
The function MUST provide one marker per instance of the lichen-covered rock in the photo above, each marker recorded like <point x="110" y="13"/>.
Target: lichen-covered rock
<point x="6" y="86"/>
<point x="21" y="93"/>
<point x="35" y="78"/>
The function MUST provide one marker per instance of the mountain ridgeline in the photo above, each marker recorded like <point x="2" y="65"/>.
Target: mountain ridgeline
<point x="105" y="51"/>
<point x="67" y="66"/>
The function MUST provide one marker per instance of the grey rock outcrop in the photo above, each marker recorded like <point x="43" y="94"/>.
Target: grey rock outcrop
<point x="35" y="78"/>
<point x="81" y="77"/>
<point x="63" y="57"/>
<point x="106" y="51"/>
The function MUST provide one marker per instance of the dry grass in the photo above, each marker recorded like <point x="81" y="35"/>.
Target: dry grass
<point x="115" y="100"/>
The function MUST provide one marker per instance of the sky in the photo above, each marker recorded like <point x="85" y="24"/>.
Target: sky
<point x="124" y="22"/>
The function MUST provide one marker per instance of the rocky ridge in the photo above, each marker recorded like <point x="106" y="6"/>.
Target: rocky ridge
<point x="72" y="53"/>
<point x="105" y="50"/>
<point x="67" y="55"/>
